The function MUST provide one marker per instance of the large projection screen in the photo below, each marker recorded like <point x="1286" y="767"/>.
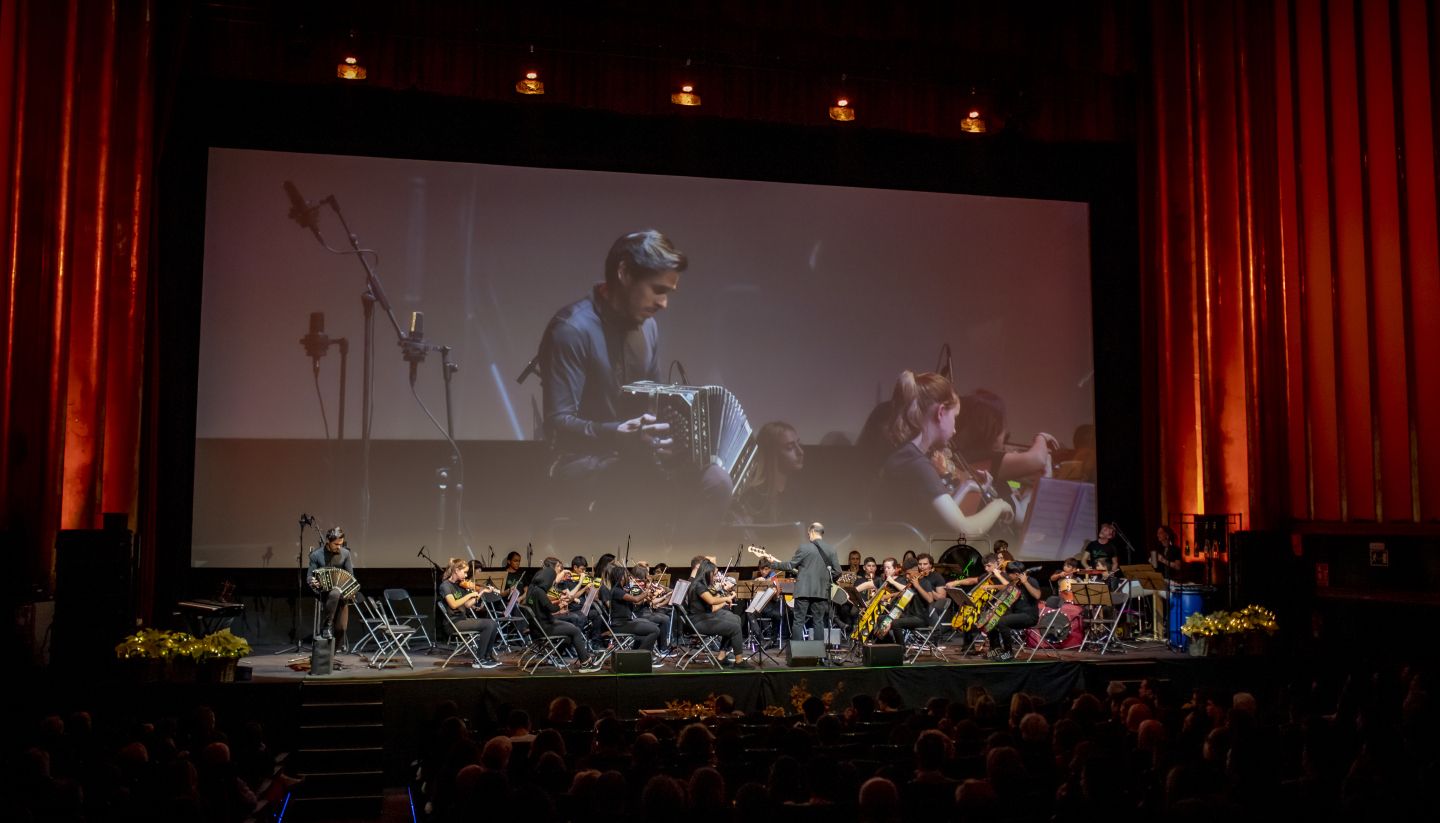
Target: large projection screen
<point x="804" y="301"/>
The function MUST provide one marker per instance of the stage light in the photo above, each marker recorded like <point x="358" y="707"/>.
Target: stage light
<point x="530" y="84"/>
<point x="350" y="69"/>
<point x="686" y="96"/>
<point x="973" y="123"/>
<point x="842" y="110"/>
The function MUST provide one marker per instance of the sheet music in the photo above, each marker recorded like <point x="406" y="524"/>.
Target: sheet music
<point x="514" y="598"/>
<point x="1061" y="517"/>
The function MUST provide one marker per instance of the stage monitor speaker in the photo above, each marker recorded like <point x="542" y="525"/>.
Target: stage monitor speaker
<point x="885" y="654"/>
<point x="322" y="659"/>
<point x="805" y="652"/>
<point x="631" y="662"/>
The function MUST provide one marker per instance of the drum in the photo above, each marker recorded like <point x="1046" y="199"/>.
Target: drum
<point x="1187" y="600"/>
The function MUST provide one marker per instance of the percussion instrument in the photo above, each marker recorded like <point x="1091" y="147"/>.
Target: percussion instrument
<point x="707" y="424"/>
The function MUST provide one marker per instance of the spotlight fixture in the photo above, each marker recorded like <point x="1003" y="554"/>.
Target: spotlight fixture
<point x="686" y="96"/>
<point x="842" y="110"/>
<point x="973" y="123"/>
<point x="350" y="69"/>
<point x="530" y="84"/>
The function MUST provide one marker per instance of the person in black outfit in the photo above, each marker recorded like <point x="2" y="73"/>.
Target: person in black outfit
<point x="813" y="564"/>
<point x="778" y="458"/>
<point x="622" y="602"/>
<point x="1166" y="557"/>
<point x="547" y="610"/>
<point x="916" y="614"/>
<point x="514" y="575"/>
<point x="930" y="591"/>
<point x="460" y="601"/>
<point x="709" y="612"/>
<point x="589" y="351"/>
<point x="1023" y="613"/>
<point x="1102" y="552"/>
<point x="661" y="616"/>
<point x="335" y="613"/>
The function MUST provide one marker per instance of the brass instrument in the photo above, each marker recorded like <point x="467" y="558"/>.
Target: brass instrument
<point x="558" y="595"/>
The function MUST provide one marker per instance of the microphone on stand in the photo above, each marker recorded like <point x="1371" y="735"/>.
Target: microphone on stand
<point x="302" y="212"/>
<point x="316" y="342"/>
<point x="306" y="520"/>
<point x="413" y="346"/>
<point x="420" y="553"/>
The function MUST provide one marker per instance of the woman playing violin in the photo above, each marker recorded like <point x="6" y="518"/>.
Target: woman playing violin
<point x="707" y="605"/>
<point x="460" y="596"/>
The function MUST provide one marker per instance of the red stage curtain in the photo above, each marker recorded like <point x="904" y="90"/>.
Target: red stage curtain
<point x="75" y="149"/>
<point x="1291" y="261"/>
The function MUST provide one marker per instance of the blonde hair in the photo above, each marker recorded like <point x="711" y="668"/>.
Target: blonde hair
<point x="455" y="564"/>
<point x="914" y="397"/>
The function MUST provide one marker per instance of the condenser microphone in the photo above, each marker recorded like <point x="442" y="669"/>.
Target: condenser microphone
<point x="316" y="342"/>
<point x="303" y="213"/>
<point x="413" y="346"/>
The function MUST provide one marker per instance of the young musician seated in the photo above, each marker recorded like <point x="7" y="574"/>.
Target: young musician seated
<point x="651" y="611"/>
<point x="334" y="554"/>
<point x="460" y="600"/>
<point x="549" y="613"/>
<point x="1022" y="614"/>
<point x="623" y="599"/>
<point x="917" y="611"/>
<point x="707" y="607"/>
<point x="869" y="579"/>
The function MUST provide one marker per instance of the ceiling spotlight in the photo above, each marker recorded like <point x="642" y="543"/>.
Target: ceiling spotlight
<point x="973" y="123"/>
<point x="350" y="69"/>
<point x="530" y="84"/>
<point x="842" y="110"/>
<point x="686" y="96"/>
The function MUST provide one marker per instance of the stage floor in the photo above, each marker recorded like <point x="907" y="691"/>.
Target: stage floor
<point x="270" y="665"/>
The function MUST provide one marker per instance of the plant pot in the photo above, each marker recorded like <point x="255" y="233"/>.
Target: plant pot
<point x="143" y="669"/>
<point x="1256" y="644"/>
<point x="1198" y="646"/>
<point x="217" y="670"/>
<point x="184" y="670"/>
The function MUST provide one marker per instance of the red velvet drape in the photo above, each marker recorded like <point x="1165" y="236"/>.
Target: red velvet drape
<point x="75" y="155"/>
<point x="1292" y="263"/>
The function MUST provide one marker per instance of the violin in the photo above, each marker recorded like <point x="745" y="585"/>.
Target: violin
<point x="476" y="588"/>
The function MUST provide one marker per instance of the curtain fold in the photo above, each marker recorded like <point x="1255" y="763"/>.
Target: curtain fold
<point x="76" y="135"/>
<point x="1294" y="258"/>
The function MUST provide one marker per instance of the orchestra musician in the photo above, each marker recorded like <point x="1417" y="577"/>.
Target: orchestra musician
<point x="922" y="418"/>
<point x="1103" y="552"/>
<point x="335" y="613"/>
<point x="853" y="563"/>
<point x="460" y="599"/>
<point x="590" y="349"/>
<point x="514" y="576"/>
<point x="1166" y="556"/>
<point x="624" y="596"/>
<point x="1022" y="614"/>
<point x="709" y="611"/>
<point x="656" y="608"/>
<point x="869" y="578"/>
<point x="917" y="610"/>
<point x="547" y="611"/>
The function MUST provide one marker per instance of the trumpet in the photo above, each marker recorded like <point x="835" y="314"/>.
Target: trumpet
<point x="585" y="581"/>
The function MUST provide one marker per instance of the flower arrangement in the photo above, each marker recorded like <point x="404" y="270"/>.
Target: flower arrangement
<point x="688" y="709"/>
<point x="156" y="644"/>
<point x="800" y="692"/>
<point x="225" y="646"/>
<point x="1250" y="619"/>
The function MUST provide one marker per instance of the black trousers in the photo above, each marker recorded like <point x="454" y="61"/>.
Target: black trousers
<point x="646" y="632"/>
<point x="334" y="612"/>
<point x="724" y="623"/>
<point x="574" y="638"/>
<point x="902" y="623"/>
<point x="814" y="609"/>
<point x="1000" y="639"/>
<point x="661" y="619"/>
<point x="487" y="628"/>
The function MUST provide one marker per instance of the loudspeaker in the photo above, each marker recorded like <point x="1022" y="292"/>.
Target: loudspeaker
<point x="322" y="659"/>
<point x="631" y="662"/>
<point x="805" y="652"/>
<point x="885" y="654"/>
<point x="93" y="609"/>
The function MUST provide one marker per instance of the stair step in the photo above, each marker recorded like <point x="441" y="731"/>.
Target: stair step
<point x="358" y="758"/>
<point x="344" y="735"/>
<point x="329" y="808"/>
<point x="340" y="784"/>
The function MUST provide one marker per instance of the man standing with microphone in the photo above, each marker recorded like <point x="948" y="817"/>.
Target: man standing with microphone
<point x="813" y="564"/>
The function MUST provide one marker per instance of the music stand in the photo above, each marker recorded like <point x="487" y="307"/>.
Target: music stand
<point x="514" y="599"/>
<point x="757" y="605"/>
<point x="1151" y="581"/>
<point x="1093" y="597"/>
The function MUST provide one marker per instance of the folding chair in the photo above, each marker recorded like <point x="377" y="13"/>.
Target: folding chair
<point x="619" y="641"/>
<point x="1042" y="631"/>
<point x="706" y="645"/>
<point x="463" y="641"/>
<point x="544" y="647"/>
<point x="1100" y="630"/>
<point x="369" y="619"/>
<point x="390" y="638"/>
<point x="410" y="617"/>
<point x="511" y="629"/>
<point x="922" y="641"/>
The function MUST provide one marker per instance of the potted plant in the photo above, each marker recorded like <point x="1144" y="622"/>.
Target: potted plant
<point x="220" y="654"/>
<point x="149" y="654"/>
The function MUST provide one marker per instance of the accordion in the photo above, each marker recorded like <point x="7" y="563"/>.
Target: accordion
<point x="324" y="579"/>
<point x="707" y="424"/>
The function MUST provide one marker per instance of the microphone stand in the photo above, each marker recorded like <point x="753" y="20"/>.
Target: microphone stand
<point x="435" y="597"/>
<point x="301" y="591"/>
<point x="374" y="293"/>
